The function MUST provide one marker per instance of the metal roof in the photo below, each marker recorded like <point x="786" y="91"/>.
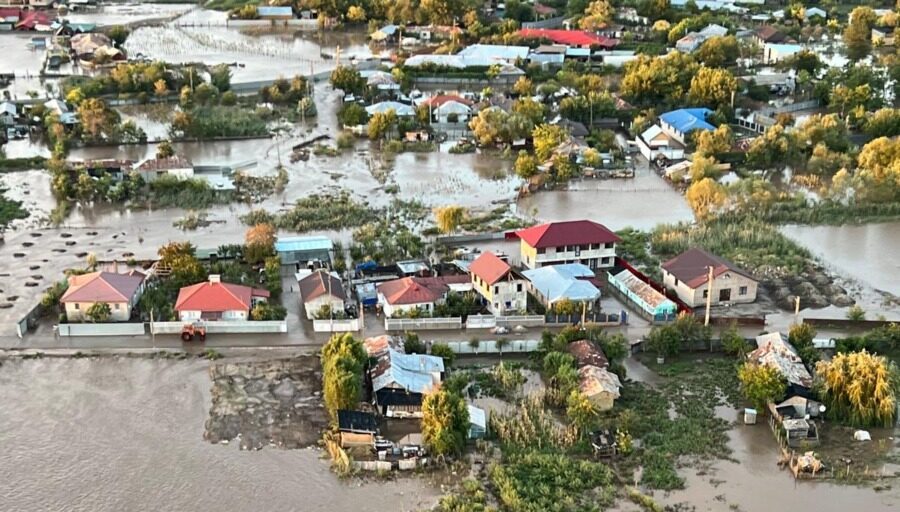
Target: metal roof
<point x="686" y="120"/>
<point x="272" y="10"/>
<point x="303" y="243"/>
<point x="557" y="282"/>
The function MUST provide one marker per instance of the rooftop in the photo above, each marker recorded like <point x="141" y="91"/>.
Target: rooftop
<point x="647" y="293"/>
<point x="568" y="281"/>
<point x="573" y="232"/>
<point x="489" y="268"/>
<point x="568" y="37"/>
<point x="412" y="372"/>
<point x="303" y="243"/>
<point x="587" y="353"/>
<point x="217" y="296"/>
<point x="164" y="164"/>
<point x="357" y="421"/>
<point x="102" y="287"/>
<point x="686" y="120"/>
<point x="320" y="283"/>
<point x="417" y="290"/>
<point x="593" y="381"/>
<point x="692" y="267"/>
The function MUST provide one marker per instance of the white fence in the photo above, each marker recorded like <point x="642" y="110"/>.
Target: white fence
<point x="422" y="324"/>
<point x="102" y="329"/>
<point x="349" y="325"/>
<point x="481" y="322"/>
<point x="524" y="320"/>
<point x="225" y="327"/>
<point x="490" y="347"/>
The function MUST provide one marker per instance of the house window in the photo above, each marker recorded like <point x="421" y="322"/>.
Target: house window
<point x="705" y="293"/>
<point x="496" y="289"/>
<point x="609" y="245"/>
<point x="519" y="287"/>
<point x="77" y="306"/>
<point x="585" y="247"/>
<point x="118" y="306"/>
<point x="676" y="281"/>
<point x="541" y="250"/>
<point x="561" y="249"/>
<point x="607" y="260"/>
<point x="742" y="290"/>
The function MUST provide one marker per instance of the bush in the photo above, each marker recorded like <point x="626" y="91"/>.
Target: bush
<point x="443" y="351"/>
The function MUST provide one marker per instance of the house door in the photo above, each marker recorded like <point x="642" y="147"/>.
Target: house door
<point x="725" y="295"/>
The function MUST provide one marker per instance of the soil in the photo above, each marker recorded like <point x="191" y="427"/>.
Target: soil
<point x="276" y="402"/>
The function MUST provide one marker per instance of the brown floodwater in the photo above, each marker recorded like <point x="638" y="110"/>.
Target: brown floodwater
<point x="127" y="434"/>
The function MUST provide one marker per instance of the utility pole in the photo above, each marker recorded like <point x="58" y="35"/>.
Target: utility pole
<point x="709" y="292"/>
<point x="797" y="309"/>
<point x="152" y="329"/>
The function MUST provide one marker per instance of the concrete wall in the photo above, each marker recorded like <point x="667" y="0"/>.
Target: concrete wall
<point x="490" y="347"/>
<point x="350" y="325"/>
<point x="104" y="329"/>
<point x="76" y="312"/>
<point x="235" y="327"/>
<point x="694" y="297"/>
<point x="228" y="316"/>
<point x="313" y="306"/>
<point x="415" y="324"/>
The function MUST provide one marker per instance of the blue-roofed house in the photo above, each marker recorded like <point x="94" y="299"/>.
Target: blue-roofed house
<point x="568" y="281"/>
<point x="271" y="12"/>
<point x="297" y="250"/>
<point x="678" y="124"/>
<point x="384" y="33"/>
<point x="401" y="109"/>
<point x="400" y="380"/>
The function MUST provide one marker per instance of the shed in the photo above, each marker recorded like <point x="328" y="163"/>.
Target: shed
<point x="477" y="422"/>
<point x="642" y="294"/>
<point x="298" y="250"/>
<point x="357" y="428"/>
<point x="272" y="12"/>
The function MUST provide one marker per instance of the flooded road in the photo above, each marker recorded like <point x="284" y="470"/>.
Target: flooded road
<point x="869" y="253"/>
<point x="127" y="434"/>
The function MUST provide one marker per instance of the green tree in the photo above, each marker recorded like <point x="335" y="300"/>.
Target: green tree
<point x="857" y="35"/>
<point x="581" y="411"/>
<point x="718" y="51"/>
<point x="343" y="361"/>
<point x="348" y="80"/>
<point x="775" y="148"/>
<point x="443" y="351"/>
<point x="220" y="77"/>
<point x="118" y="34"/>
<point x="445" y="423"/>
<point x="654" y="80"/>
<point x="856" y="313"/>
<point x="529" y="109"/>
<point x="265" y="311"/>
<point x="352" y="114"/>
<point x="733" y="343"/>
<point x="448" y="218"/>
<point x="761" y="384"/>
<point x="883" y="123"/>
<point x="165" y="150"/>
<point x="712" y="87"/>
<point x="96" y="118"/>
<point x="98" y="312"/>
<point x="183" y="265"/>
<point x="663" y="340"/>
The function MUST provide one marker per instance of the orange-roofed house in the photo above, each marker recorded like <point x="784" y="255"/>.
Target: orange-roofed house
<point x="120" y="291"/>
<point x="502" y="287"/>
<point x="576" y="241"/>
<point x="403" y="295"/>
<point x="215" y="300"/>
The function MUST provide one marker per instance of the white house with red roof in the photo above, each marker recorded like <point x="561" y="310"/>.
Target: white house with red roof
<point x="215" y="300"/>
<point x="120" y="291"/>
<point x="576" y="241"/>
<point x="449" y="108"/>
<point x="423" y="293"/>
<point x="503" y="288"/>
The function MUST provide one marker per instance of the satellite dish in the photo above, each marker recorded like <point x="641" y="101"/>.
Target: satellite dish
<point x="821" y="408"/>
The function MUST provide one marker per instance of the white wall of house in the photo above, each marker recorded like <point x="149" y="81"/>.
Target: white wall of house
<point x="593" y="255"/>
<point x="191" y="316"/>
<point x="504" y="297"/>
<point x="392" y="309"/>
<point x="737" y="288"/>
<point x="183" y="173"/>
<point x="77" y="311"/>
<point x="312" y="306"/>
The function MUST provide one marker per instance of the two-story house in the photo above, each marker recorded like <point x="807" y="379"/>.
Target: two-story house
<point x="688" y="276"/>
<point x="576" y="241"/>
<point x="503" y="288"/>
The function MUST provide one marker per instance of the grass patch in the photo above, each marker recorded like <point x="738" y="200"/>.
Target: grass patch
<point x="22" y="164"/>
<point x="221" y="121"/>
<point x="10" y="210"/>
<point x="317" y="212"/>
<point x="227" y="5"/>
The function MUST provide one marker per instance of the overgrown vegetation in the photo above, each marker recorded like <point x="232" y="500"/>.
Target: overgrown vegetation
<point x="317" y="212"/>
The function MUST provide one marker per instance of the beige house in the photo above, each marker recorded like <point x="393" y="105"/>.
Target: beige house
<point x="599" y="385"/>
<point x="577" y="241"/>
<point x="318" y="289"/>
<point x="688" y="274"/>
<point x="504" y="289"/>
<point x="120" y="291"/>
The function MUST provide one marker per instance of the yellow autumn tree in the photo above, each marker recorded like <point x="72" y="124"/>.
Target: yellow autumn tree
<point x="449" y="218"/>
<point x="706" y="196"/>
<point x="859" y="387"/>
<point x="596" y="15"/>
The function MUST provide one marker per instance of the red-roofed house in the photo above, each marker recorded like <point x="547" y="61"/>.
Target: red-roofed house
<point x="215" y="300"/>
<point x="409" y="293"/>
<point x="501" y="286"/>
<point x="575" y="241"/>
<point x="576" y="38"/>
<point x="120" y="291"/>
<point x="688" y="274"/>
<point x="449" y="108"/>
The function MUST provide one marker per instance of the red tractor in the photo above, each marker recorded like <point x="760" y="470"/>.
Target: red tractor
<point x="188" y="331"/>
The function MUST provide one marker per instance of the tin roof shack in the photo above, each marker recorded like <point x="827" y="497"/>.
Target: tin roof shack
<point x="586" y="353"/>
<point x="773" y="349"/>
<point x="357" y="428"/>
<point x="400" y="380"/>
<point x="302" y="250"/>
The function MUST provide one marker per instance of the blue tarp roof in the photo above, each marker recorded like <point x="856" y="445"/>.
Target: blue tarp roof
<point x="303" y="243"/>
<point x="558" y="282"/>
<point x="271" y="10"/>
<point x="686" y="120"/>
<point x="388" y="30"/>
<point x="417" y="362"/>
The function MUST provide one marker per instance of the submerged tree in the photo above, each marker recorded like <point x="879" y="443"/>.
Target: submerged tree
<point x="860" y="388"/>
<point x="343" y="358"/>
<point x="761" y="384"/>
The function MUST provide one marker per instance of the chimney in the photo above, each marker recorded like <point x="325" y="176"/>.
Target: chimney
<point x="215" y="278"/>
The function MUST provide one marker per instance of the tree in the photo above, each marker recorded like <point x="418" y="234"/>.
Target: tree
<point x="443" y="351"/>
<point x="654" y="80"/>
<point x="733" y="343"/>
<point x="220" y="77"/>
<point x="547" y="137"/>
<point x="356" y="14"/>
<point x="343" y="360"/>
<point x="663" y="340"/>
<point x="581" y="411"/>
<point x="272" y="272"/>
<point x="761" y="384"/>
<point x="883" y="123"/>
<point x="704" y="167"/>
<point x="449" y="218"/>
<point x="412" y="344"/>
<point x="860" y="388"/>
<point x="165" y="150"/>
<point x="597" y="15"/>
<point x="118" y="34"/>
<point x="712" y="87"/>
<point x="445" y="423"/>
<point x="381" y="123"/>
<point x="529" y="109"/>
<point x="160" y="88"/>
<point x="526" y="165"/>
<point x="523" y="86"/>
<point x="501" y="344"/>
<point x="266" y="311"/>
<point x="718" y="51"/>
<point x="179" y="258"/>
<point x="488" y="126"/>
<point x="706" y="196"/>
<point x="474" y="343"/>
<point x="856" y="313"/>
<point x="75" y="96"/>
<point x="352" y="114"/>
<point x="348" y="80"/>
<point x="776" y="148"/>
<point x="714" y="142"/>
<point x="565" y="306"/>
<point x="857" y="35"/>
<point x="98" y="312"/>
<point x="96" y="118"/>
<point x="259" y="242"/>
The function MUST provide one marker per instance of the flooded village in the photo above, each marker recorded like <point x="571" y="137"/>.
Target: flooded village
<point x="449" y="255"/>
